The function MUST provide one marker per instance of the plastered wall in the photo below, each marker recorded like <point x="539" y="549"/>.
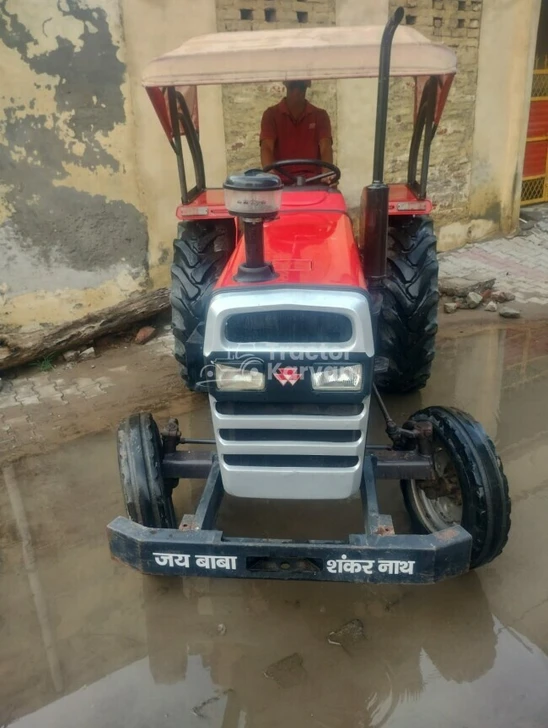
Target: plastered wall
<point x="88" y="182"/>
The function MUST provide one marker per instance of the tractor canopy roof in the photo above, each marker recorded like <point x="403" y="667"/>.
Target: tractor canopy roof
<point x="311" y="53"/>
<point x="285" y="55"/>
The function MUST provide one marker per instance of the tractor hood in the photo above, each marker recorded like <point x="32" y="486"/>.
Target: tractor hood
<point x="308" y="248"/>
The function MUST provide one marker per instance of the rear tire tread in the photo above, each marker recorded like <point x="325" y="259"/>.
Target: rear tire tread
<point x="408" y="322"/>
<point x="201" y="251"/>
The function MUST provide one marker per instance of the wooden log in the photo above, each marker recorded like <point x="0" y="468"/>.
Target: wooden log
<point x="17" y="349"/>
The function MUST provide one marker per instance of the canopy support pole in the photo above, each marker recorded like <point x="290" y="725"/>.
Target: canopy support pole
<point x="178" y="146"/>
<point x="424" y="124"/>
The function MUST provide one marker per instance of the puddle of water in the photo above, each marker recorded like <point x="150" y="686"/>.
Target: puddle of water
<point x="87" y="642"/>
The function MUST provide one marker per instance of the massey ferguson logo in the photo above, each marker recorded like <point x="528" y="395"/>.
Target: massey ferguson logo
<point x="286" y="375"/>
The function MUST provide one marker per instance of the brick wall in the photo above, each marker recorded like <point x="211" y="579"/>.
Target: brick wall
<point x="454" y="22"/>
<point x="244" y="104"/>
<point x="457" y="24"/>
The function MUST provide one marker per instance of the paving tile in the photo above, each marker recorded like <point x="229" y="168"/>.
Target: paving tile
<point x="520" y="264"/>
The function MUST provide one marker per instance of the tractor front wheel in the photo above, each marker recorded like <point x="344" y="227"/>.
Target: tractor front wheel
<point x="147" y="498"/>
<point x="409" y="317"/>
<point x="470" y="488"/>
<point x="201" y="251"/>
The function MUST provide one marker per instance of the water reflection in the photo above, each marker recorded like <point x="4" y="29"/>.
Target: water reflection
<point x="87" y="642"/>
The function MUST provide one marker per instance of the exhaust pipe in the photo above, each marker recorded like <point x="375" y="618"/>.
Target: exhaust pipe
<point x="376" y="203"/>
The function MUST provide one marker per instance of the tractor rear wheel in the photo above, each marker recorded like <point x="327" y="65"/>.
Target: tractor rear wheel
<point x="470" y="488"/>
<point x="409" y="317"/>
<point x="201" y="250"/>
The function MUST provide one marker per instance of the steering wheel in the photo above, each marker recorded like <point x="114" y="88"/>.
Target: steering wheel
<point x="299" y="180"/>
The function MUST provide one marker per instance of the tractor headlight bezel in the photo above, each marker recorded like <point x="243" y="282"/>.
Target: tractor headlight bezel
<point x="239" y="377"/>
<point x="338" y="378"/>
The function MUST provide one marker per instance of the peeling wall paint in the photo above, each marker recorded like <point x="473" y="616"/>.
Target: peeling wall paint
<point x="88" y="182"/>
<point x="69" y="205"/>
<point x="151" y="29"/>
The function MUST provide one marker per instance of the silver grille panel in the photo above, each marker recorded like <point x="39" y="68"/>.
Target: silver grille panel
<point x="289" y="482"/>
<point x="288" y="467"/>
<point x="347" y="303"/>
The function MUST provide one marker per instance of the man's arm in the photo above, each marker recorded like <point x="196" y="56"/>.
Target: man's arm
<point x="326" y="139"/>
<point x="326" y="150"/>
<point x="268" y="138"/>
<point x="267" y="152"/>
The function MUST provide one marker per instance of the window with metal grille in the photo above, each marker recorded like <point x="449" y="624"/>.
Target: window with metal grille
<point x="532" y="190"/>
<point x="540" y="84"/>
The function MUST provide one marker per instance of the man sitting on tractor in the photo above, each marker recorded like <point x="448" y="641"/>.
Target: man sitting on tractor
<point x="296" y="129"/>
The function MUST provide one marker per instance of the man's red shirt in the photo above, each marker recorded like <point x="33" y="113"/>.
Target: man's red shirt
<point x="296" y="139"/>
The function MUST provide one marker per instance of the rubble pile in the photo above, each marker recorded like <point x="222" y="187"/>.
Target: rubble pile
<point x="475" y="291"/>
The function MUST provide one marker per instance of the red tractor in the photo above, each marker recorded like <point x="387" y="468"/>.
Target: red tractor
<point x="292" y="328"/>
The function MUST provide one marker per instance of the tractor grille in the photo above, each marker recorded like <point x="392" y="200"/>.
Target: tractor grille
<point x="289" y="327"/>
<point x="284" y="448"/>
<point x="270" y="446"/>
<point x="291" y="461"/>
<point x="284" y="408"/>
<point x="290" y="435"/>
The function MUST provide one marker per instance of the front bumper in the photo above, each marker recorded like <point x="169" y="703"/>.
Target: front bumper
<point x="376" y="556"/>
<point x="405" y="559"/>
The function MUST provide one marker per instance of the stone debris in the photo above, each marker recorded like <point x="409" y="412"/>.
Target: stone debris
<point x="530" y="214"/>
<point x="288" y="671"/>
<point x="461" y="287"/>
<point x="511" y="313"/>
<point x="221" y="629"/>
<point x="146" y="333"/>
<point x="348" y="634"/>
<point x="503" y="296"/>
<point x="473" y="290"/>
<point x="69" y="356"/>
<point x="473" y="299"/>
<point x="87" y="354"/>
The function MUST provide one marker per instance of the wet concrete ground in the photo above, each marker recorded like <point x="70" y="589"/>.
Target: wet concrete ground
<point x="87" y="642"/>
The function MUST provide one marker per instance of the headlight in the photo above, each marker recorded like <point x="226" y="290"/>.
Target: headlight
<point x="344" y="379"/>
<point x="243" y="377"/>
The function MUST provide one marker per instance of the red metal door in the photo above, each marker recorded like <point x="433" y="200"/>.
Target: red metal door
<point x="535" y="170"/>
